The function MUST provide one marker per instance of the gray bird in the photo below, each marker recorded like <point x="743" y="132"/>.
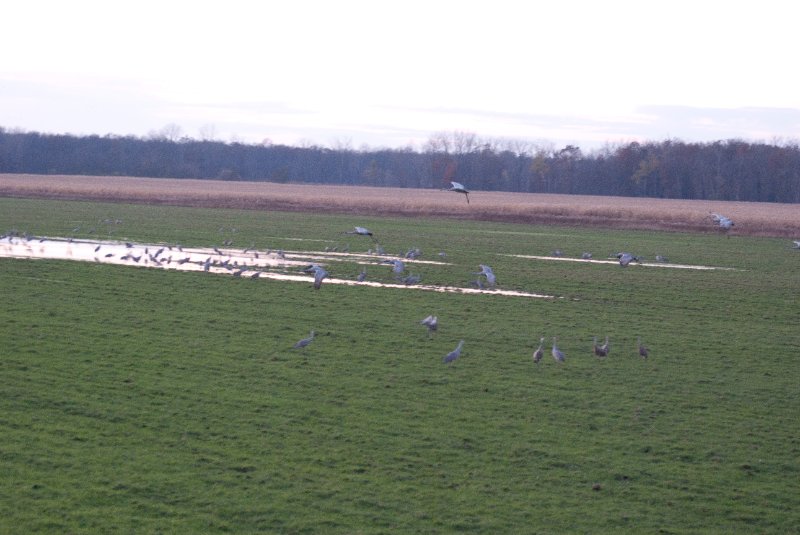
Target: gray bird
<point x="539" y="353"/>
<point x="487" y="272"/>
<point x="431" y="322"/>
<point x="724" y="223"/>
<point x="454" y="354"/>
<point x="459" y="188"/>
<point x="626" y="258"/>
<point x="586" y="255"/>
<point x="319" y="274"/>
<point x="398" y="266"/>
<point x="557" y="353"/>
<point x="362" y="276"/>
<point x="305" y="341"/>
<point x="643" y="351"/>
<point x="600" y="351"/>
<point x="361" y="231"/>
<point x="796" y="244"/>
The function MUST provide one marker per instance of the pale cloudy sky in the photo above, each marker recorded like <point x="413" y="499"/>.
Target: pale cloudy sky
<point x="392" y="73"/>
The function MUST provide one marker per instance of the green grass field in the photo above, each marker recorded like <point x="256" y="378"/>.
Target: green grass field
<point x="149" y="401"/>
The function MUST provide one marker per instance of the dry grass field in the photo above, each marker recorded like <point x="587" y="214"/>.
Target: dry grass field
<point x="755" y="219"/>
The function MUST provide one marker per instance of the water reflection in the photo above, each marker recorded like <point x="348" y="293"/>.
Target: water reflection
<point x="227" y="261"/>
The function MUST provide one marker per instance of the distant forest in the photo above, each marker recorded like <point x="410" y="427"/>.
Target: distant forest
<point x="732" y="170"/>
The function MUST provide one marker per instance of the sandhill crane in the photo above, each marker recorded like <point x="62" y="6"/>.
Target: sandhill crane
<point x="557" y="353"/>
<point x="796" y="244"/>
<point x="487" y="272"/>
<point x="362" y="276"/>
<point x="319" y="274"/>
<point x="626" y="258"/>
<point x="454" y="354"/>
<point x="539" y="353"/>
<point x="459" y="188"/>
<point x="586" y="255"/>
<point x="643" y="351"/>
<point x="413" y="253"/>
<point x="600" y="351"/>
<point x="605" y="347"/>
<point x="398" y="267"/>
<point x="431" y="322"/>
<point x="305" y="341"/>
<point x="725" y="223"/>
<point x="361" y="231"/>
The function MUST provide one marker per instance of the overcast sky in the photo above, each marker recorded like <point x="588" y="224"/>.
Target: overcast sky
<point x="392" y="73"/>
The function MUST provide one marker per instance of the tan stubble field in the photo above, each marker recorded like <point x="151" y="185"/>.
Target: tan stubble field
<point x="754" y="219"/>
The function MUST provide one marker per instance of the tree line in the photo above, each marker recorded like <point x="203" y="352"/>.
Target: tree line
<point x="721" y="170"/>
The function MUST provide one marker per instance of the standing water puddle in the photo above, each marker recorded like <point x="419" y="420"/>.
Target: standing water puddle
<point x="646" y="264"/>
<point x="226" y="261"/>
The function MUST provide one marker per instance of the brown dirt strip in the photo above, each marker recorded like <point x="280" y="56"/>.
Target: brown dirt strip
<point x="754" y="219"/>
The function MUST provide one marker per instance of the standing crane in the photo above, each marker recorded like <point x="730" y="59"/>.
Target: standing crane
<point x="539" y="353"/>
<point x="454" y="354"/>
<point x="600" y="351"/>
<point x="305" y="341"/>
<point x="557" y="353"/>
<point x="643" y="351"/>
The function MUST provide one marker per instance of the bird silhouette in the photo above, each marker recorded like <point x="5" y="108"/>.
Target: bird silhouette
<point x="304" y="342"/>
<point x="454" y="354"/>
<point x="361" y="231"/>
<point x="626" y="258"/>
<point x="319" y="274"/>
<point x="487" y="272"/>
<point x="398" y="267"/>
<point x="539" y="353"/>
<point x="459" y="188"/>
<point x="643" y="351"/>
<point x="725" y="223"/>
<point x="431" y="322"/>
<point x="557" y="353"/>
<point x="600" y="351"/>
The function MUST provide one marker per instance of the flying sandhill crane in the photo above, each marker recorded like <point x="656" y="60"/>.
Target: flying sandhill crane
<point x="626" y="258"/>
<point x="487" y="272"/>
<point x="725" y="223"/>
<point x="459" y="188"/>
<point x="600" y="351"/>
<point x="319" y="274"/>
<point x="431" y="322"/>
<point x="539" y="353"/>
<point x="557" y="353"/>
<point x="398" y="267"/>
<point x="305" y="341"/>
<point x="454" y="354"/>
<point x="361" y="231"/>
<point x="643" y="351"/>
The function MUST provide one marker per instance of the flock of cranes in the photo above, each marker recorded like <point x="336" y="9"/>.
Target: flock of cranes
<point x="486" y="277"/>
